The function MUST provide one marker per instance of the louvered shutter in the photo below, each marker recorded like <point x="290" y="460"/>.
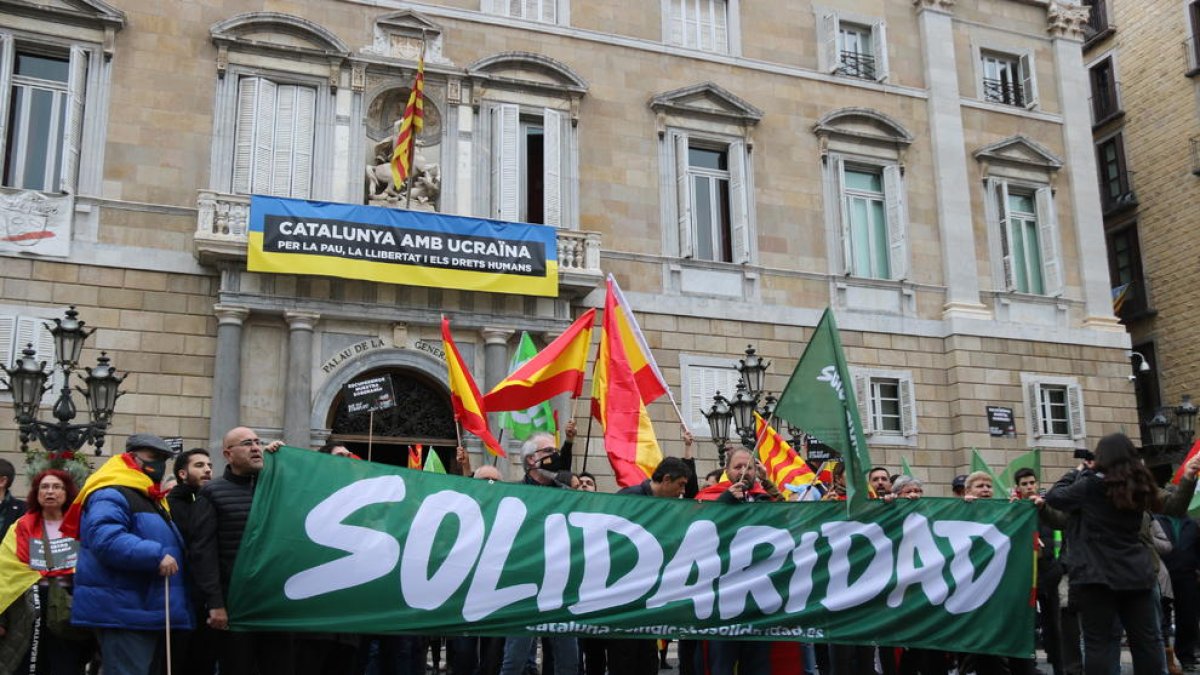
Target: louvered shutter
<point x="842" y="211"/>
<point x="739" y="207"/>
<point x="879" y="50"/>
<point x="1033" y="412"/>
<point x="999" y="191"/>
<point x="73" y="125"/>
<point x="32" y="330"/>
<point x="897" y="221"/>
<point x="827" y="27"/>
<point x="6" y="69"/>
<point x="552" y="142"/>
<point x="264" y="136"/>
<point x="1075" y="410"/>
<point x="1028" y="80"/>
<point x="243" y="144"/>
<point x="1048" y="236"/>
<point x="683" y="196"/>
<point x="8" y="335"/>
<point x="862" y="394"/>
<point x="720" y="25"/>
<point x="675" y="27"/>
<point x="506" y="158"/>
<point x="305" y="132"/>
<point x="283" y="145"/>
<point x="908" y="407"/>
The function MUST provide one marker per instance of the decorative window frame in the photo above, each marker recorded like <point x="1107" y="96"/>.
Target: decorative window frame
<point x="562" y="11"/>
<point x="1021" y="162"/>
<point x="1118" y="101"/>
<point x="1026" y="65"/>
<point x="1031" y="384"/>
<point x="318" y="64"/>
<point x="828" y="23"/>
<point x="504" y="88"/>
<point x="700" y="378"/>
<point x="733" y="29"/>
<point x="908" y="406"/>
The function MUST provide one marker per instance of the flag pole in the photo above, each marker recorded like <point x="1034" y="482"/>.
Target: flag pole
<point x="370" y="433"/>
<point x="411" y="150"/>
<point x="500" y="441"/>
<point x="587" y="444"/>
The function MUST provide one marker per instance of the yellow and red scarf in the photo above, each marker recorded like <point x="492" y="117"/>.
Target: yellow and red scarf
<point x="118" y="471"/>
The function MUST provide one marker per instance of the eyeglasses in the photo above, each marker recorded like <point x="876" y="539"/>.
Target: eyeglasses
<point x="248" y="443"/>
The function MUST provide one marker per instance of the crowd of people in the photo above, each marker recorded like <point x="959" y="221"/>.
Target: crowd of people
<point x="1117" y="556"/>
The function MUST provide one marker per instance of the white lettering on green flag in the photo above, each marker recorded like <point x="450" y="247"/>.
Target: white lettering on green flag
<point x="370" y="548"/>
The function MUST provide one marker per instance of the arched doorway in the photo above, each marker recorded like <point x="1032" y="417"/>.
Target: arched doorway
<point x="422" y="416"/>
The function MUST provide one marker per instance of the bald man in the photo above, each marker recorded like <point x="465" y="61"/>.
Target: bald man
<point x="487" y="472"/>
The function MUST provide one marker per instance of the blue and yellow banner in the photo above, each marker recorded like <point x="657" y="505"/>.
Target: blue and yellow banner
<point x="416" y="248"/>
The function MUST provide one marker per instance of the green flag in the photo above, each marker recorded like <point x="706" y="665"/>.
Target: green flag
<point x="1029" y="460"/>
<point x="999" y="488"/>
<point x="375" y="548"/>
<point x="905" y="469"/>
<point x="819" y="398"/>
<point x="522" y="424"/>
<point x="433" y="463"/>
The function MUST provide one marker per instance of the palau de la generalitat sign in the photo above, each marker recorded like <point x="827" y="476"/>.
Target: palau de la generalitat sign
<point x="292" y="236"/>
<point x="370" y="548"/>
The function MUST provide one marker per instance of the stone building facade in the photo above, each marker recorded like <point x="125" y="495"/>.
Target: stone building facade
<point x="1148" y="153"/>
<point x="926" y="168"/>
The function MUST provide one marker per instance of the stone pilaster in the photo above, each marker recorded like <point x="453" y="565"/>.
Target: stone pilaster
<point x="227" y="379"/>
<point x="495" y="368"/>
<point x="297" y="404"/>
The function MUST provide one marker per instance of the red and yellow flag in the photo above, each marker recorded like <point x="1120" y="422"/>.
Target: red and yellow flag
<point x="464" y="395"/>
<point x="617" y="403"/>
<point x="555" y="369"/>
<point x="650" y="381"/>
<point x="784" y="466"/>
<point x="414" y="457"/>
<point x="1183" y="465"/>
<point x="410" y="125"/>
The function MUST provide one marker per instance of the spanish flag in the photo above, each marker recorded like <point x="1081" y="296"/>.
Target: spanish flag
<point x="783" y="465"/>
<point x="118" y="471"/>
<point x="410" y="125"/>
<point x="649" y="378"/>
<point x="468" y="404"/>
<point x="1183" y="465"/>
<point x="557" y="368"/>
<point x="617" y="403"/>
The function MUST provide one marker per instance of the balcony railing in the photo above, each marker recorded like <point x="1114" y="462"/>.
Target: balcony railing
<point x="857" y="64"/>
<point x="223" y="221"/>
<point x="1001" y="91"/>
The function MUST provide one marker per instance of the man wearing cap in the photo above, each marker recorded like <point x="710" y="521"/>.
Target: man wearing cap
<point x="127" y="545"/>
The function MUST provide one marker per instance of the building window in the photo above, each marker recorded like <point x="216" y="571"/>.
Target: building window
<point x="45" y="101"/>
<point x="1105" y="101"/>
<point x="273" y="142"/>
<point x="17" y="331"/>
<point x="699" y="24"/>
<point x="1097" y="19"/>
<point x="711" y="200"/>
<point x="528" y="164"/>
<point x="1029" y="240"/>
<point x="1125" y="271"/>
<point x="1114" y="177"/>
<point x="1008" y="79"/>
<point x="855" y="48"/>
<point x="545" y="11"/>
<point x="1055" y="411"/>
<point x="887" y="404"/>
<point x="702" y="377"/>
<point x="873" y="223"/>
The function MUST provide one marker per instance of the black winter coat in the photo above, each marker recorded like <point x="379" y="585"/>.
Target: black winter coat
<point x="218" y="519"/>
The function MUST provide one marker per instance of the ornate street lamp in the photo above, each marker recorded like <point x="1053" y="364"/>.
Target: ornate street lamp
<point x="27" y="379"/>
<point x="719" y="416"/>
<point x="753" y="368"/>
<point x="1185" y="418"/>
<point x="743" y="405"/>
<point x="1160" y="429"/>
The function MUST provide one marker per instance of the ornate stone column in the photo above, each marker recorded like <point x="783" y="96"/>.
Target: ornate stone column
<point x="1065" y="24"/>
<point x="495" y="368"/>
<point x="227" y="379"/>
<point x="955" y="224"/>
<point x="297" y="403"/>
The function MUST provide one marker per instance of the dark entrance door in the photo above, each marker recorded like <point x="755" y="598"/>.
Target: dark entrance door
<point x="422" y="416"/>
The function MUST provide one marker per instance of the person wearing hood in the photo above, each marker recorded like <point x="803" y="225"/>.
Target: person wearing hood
<point x="128" y="544"/>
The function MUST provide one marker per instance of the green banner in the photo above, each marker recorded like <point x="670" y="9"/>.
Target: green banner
<point x="357" y="547"/>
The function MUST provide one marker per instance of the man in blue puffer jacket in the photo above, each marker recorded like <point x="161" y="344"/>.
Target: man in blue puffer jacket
<point x="129" y="552"/>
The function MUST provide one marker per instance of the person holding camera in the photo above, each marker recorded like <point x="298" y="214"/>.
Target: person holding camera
<point x="1111" y="570"/>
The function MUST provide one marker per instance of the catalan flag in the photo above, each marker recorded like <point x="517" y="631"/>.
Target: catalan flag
<point x="410" y="125"/>
<point x="1118" y="296"/>
<point x="464" y="395"/>
<point x="650" y="381"/>
<point x="557" y="368"/>
<point x="784" y="467"/>
<point x="617" y="403"/>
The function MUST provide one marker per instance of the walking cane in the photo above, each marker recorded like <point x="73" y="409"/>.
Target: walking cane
<point x="167" y="605"/>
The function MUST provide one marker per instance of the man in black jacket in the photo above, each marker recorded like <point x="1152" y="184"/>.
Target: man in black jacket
<point x="193" y="652"/>
<point x="219" y="517"/>
<point x="11" y="508"/>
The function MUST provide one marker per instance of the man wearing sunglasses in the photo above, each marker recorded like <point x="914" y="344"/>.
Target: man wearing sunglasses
<point x="221" y="511"/>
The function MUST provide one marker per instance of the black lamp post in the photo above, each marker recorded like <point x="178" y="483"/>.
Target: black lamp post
<point x="719" y="416"/>
<point x="752" y="368"/>
<point x="1171" y="433"/>
<point x="27" y="380"/>
<point x="744" y="405"/>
